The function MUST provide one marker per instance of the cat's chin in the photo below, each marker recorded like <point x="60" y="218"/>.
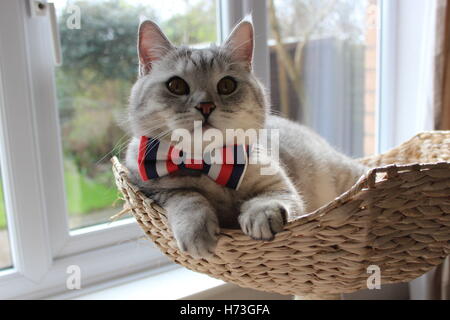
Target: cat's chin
<point x="204" y="127"/>
<point x="207" y="126"/>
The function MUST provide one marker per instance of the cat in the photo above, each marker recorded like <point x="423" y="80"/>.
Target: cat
<point x="173" y="85"/>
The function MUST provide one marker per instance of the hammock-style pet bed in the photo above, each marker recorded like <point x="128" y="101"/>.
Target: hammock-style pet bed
<point x="396" y="217"/>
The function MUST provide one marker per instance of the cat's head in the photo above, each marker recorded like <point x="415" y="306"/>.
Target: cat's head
<point x="180" y="85"/>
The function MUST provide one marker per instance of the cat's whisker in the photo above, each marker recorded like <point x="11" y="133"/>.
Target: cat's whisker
<point x="123" y="147"/>
<point x="160" y="126"/>
<point x="276" y="112"/>
<point x="165" y="133"/>
<point x="118" y="146"/>
<point x="162" y="134"/>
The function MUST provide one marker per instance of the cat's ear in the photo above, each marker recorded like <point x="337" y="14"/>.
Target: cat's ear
<point x="152" y="45"/>
<point x="241" y="42"/>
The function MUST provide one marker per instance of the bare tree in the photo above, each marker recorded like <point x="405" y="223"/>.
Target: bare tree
<point x="308" y="18"/>
<point x="293" y="66"/>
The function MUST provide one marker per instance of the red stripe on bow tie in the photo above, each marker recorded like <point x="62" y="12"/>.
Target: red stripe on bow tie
<point x="191" y="164"/>
<point x="227" y="168"/>
<point x="141" y="158"/>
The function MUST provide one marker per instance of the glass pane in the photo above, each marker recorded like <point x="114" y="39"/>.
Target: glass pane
<point x="323" y="68"/>
<point x="98" y="40"/>
<point x="5" y="251"/>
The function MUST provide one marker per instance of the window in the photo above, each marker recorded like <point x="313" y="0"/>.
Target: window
<point x="93" y="85"/>
<point x="40" y="108"/>
<point x="58" y="125"/>
<point x="5" y="253"/>
<point x="323" y="68"/>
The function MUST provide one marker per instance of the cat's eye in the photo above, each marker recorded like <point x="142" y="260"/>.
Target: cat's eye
<point x="178" y="86"/>
<point x="226" y="86"/>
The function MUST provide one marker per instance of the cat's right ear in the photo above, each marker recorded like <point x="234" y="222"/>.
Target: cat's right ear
<point x="152" y="45"/>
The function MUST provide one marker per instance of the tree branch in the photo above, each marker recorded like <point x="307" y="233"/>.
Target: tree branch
<point x="288" y="63"/>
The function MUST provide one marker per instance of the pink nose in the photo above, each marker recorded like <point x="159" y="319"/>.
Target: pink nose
<point x="205" y="108"/>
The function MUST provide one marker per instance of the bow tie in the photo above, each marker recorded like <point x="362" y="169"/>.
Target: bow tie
<point x="226" y="165"/>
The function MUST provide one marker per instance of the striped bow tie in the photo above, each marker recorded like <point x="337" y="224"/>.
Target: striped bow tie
<point x="227" y="166"/>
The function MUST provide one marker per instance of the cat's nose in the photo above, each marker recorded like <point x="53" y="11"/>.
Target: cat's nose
<point x="206" y="108"/>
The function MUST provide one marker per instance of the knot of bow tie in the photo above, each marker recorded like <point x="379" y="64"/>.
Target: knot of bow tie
<point x="226" y="165"/>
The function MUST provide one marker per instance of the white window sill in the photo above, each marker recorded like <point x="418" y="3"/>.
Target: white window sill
<point x="167" y="283"/>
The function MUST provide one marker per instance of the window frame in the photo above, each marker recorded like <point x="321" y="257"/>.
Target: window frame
<point x="41" y="244"/>
<point x="404" y="63"/>
<point x="45" y="138"/>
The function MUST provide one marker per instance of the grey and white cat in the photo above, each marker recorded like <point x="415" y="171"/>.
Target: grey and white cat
<point x="174" y="81"/>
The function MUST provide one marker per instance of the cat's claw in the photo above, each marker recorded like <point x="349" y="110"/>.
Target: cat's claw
<point x="198" y="240"/>
<point x="262" y="222"/>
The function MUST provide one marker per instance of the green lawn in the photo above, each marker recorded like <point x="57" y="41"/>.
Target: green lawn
<point x="84" y="195"/>
<point x="2" y="209"/>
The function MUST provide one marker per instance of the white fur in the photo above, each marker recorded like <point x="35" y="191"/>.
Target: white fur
<point x="310" y="173"/>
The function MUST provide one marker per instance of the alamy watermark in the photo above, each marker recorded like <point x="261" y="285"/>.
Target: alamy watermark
<point x="73" y="21"/>
<point x="73" y="281"/>
<point x="263" y="146"/>
<point x="374" y="280"/>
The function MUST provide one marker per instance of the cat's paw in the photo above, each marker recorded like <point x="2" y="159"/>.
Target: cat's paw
<point x="262" y="221"/>
<point x="198" y="238"/>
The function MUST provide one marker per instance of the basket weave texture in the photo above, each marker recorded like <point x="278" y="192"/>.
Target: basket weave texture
<point x="396" y="217"/>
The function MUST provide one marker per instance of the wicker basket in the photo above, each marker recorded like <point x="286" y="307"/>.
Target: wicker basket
<point x="397" y="217"/>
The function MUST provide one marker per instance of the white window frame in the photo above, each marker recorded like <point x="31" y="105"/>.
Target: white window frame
<point x="405" y="43"/>
<point x="31" y="156"/>
<point x="42" y="245"/>
<point x="234" y="11"/>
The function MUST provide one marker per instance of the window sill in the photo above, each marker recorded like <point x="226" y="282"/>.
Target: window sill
<point x="166" y="283"/>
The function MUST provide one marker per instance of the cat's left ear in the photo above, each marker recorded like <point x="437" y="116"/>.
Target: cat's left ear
<point x="241" y="42"/>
